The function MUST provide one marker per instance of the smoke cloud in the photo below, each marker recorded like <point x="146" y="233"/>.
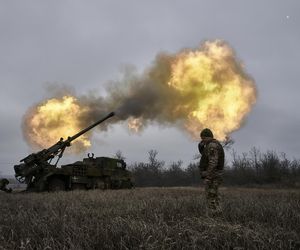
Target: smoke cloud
<point x="192" y="89"/>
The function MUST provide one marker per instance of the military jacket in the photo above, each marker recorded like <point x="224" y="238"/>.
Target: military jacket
<point x="212" y="160"/>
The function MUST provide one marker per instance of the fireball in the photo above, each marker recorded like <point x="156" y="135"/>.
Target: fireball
<point x="53" y="119"/>
<point x="220" y="93"/>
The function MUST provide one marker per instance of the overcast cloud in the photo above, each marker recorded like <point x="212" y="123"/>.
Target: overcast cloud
<point x="85" y="44"/>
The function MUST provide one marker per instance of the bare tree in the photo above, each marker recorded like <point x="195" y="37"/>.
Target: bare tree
<point x="255" y="156"/>
<point x="197" y="156"/>
<point x="154" y="163"/>
<point x="227" y="144"/>
<point x="119" y="155"/>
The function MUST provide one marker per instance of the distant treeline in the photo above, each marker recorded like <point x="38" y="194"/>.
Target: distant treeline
<point x="249" y="169"/>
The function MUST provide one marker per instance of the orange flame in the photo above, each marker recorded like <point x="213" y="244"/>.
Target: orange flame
<point x="219" y="94"/>
<point x="135" y="124"/>
<point x="56" y="118"/>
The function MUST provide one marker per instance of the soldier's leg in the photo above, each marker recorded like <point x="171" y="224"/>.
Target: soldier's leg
<point x="212" y="196"/>
<point x="216" y="184"/>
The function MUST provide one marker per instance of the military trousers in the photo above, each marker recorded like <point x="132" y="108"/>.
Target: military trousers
<point x="212" y="194"/>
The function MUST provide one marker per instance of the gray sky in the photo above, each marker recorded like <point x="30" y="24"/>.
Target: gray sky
<point x="85" y="44"/>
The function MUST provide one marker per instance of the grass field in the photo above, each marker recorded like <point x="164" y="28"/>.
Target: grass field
<point x="150" y="218"/>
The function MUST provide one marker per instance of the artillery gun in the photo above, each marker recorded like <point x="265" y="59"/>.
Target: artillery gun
<point x="101" y="172"/>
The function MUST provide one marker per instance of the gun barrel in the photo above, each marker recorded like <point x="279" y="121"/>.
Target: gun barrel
<point x="72" y="138"/>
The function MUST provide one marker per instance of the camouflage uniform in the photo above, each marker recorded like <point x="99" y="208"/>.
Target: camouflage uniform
<point x="211" y="166"/>
<point x="3" y="184"/>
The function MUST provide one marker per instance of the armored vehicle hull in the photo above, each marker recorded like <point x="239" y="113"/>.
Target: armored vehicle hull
<point x="39" y="174"/>
<point x="91" y="173"/>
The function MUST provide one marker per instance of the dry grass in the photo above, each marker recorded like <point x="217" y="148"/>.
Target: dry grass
<point x="150" y="218"/>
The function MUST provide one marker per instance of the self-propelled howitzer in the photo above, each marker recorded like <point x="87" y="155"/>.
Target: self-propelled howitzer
<point x="100" y="172"/>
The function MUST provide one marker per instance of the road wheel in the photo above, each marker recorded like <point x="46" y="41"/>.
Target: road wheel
<point x="126" y="184"/>
<point x="108" y="184"/>
<point x="78" y="186"/>
<point x="56" y="185"/>
<point x="99" y="184"/>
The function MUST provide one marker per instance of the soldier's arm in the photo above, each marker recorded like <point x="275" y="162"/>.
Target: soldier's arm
<point x="201" y="146"/>
<point x="212" y="160"/>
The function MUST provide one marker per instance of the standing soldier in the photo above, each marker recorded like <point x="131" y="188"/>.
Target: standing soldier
<point x="211" y="167"/>
<point x="3" y="184"/>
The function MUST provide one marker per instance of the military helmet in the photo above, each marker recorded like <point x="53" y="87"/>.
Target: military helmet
<point x="206" y="133"/>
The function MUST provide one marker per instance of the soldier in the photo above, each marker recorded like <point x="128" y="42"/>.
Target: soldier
<point x="3" y="184"/>
<point x="211" y="166"/>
